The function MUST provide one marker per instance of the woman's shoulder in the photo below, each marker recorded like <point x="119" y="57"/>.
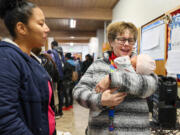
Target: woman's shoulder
<point x="13" y="54"/>
<point x="100" y="61"/>
<point x="99" y="65"/>
<point x="10" y="49"/>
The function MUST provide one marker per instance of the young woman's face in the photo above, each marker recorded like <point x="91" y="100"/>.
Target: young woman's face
<point x="123" y="44"/>
<point x="37" y="30"/>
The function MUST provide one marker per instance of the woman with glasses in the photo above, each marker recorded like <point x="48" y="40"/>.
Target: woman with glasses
<point x="121" y="109"/>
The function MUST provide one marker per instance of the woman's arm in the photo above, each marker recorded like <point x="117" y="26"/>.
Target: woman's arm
<point x="10" y="122"/>
<point x="135" y="84"/>
<point x="132" y="83"/>
<point x="85" y="94"/>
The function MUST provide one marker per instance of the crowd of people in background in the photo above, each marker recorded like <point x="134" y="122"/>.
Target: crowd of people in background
<point x="65" y="70"/>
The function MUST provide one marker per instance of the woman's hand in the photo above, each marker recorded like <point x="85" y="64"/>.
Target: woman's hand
<point x="109" y="99"/>
<point x="103" y="84"/>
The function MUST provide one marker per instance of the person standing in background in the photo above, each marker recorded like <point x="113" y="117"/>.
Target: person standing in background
<point x="56" y="58"/>
<point x="60" y="83"/>
<point x="48" y="63"/>
<point x="69" y="68"/>
<point x="79" y="68"/>
<point x="61" y="54"/>
<point x="59" y="64"/>
<point x="86" y="63"/>
<point x="25" y="86"/>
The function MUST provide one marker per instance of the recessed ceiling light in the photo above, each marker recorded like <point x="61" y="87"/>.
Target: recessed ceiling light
<point x="72" y="37"/>
<point x="71" y="44"/>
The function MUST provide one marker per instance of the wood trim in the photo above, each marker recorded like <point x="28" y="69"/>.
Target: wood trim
<point x="82" y="13"/>
<point x="73" y="41"/>
<point x="115" y="4"/>
<point x="154" y="20"/>
<point x="72" y="33"/>
<point x="139" y="40"/>
<point x="172" y="10"/>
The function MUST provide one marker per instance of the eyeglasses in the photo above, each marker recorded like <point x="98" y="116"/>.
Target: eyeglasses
<point x="122" y="40"/>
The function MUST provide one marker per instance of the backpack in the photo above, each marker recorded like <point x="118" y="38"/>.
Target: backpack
<point x="74" y="76"/>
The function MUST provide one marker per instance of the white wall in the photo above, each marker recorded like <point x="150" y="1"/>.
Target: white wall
<point x="100" y="36"/>
<point x="50" y="39"/>
<point x="142" y="11"/>
<point x="76" y="49"/>
<point x="93" y="47"/>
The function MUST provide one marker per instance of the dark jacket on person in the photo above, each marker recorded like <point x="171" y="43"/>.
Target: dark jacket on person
<point x="85" y="65"/>
<point x="68" y="71"/>
<point x="24" y="93"/>
<point x="50" y="66"/>
<point x="55" y="57"/>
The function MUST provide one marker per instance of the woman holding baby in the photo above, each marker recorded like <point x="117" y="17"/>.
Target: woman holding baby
<point x="116" y="98"/>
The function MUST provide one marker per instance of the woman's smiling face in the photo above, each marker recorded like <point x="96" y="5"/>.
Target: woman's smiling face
<point x="123" y="44"/>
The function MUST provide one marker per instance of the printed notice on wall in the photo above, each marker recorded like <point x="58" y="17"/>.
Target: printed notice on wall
<point x="173" y="62"/>
<point x="153" y="40"/>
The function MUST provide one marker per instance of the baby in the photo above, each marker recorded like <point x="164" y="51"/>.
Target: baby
<point x="141" y="64"/>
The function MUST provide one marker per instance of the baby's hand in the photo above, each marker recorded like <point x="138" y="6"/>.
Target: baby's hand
<point x="98" y="89"/>
<point x="103" y="84"/>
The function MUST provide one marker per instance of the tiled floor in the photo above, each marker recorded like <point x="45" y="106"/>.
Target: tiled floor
<point x="74" y="122"/>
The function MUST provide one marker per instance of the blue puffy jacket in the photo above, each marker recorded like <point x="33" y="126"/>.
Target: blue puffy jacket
<point x="24" y="93"/>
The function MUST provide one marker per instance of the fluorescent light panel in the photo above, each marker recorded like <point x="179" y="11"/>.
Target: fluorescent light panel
<point x="72" y="23"/>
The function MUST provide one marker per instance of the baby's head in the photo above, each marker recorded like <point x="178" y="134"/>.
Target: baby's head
<point x="133" y="62"/>
<point x="143" y="64"/>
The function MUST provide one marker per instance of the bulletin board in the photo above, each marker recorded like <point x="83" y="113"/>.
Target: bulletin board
<point x="173" y="42"/>
<point x="164" y="32"/>
<point x="153" y="41"/>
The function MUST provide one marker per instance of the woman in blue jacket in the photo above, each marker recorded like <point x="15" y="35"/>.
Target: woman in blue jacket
<point x="25" y="87"/>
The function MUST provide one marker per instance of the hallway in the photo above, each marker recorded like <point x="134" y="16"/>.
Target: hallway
<point x="73" y="121"/>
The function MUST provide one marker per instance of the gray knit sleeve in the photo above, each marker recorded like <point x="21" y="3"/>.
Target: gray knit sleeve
<point x="84" y="92"/>
<point x="134" y="84"/>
